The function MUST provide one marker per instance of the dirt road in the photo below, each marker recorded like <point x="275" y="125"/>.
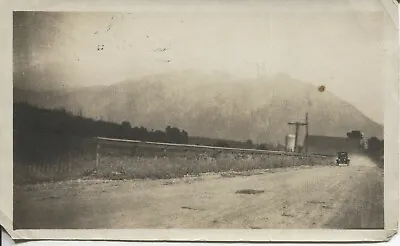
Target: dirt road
<point x="314" y="197"/>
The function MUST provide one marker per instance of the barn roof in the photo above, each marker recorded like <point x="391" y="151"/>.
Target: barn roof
<point x="329" y="145"/>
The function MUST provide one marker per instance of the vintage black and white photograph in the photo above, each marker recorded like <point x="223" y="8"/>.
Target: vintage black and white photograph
<point x="262" y="115"/>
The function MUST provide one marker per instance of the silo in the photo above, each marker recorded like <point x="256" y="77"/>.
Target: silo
<point x="290" y="143"/>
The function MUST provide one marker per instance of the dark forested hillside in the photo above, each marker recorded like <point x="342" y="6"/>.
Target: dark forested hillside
<point x="41" y="135"/>
<point x="32" y="120"/>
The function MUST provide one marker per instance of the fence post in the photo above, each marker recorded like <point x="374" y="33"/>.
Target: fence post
<point x="97" y="154"/>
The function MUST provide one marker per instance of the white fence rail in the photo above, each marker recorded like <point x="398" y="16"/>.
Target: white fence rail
<point x="144" y="144"/>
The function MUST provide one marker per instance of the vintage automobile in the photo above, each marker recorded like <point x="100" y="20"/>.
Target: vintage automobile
<point x="342" y="158"/>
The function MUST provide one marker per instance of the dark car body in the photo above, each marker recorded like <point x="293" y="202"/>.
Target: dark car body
<point x="342" y="158"/>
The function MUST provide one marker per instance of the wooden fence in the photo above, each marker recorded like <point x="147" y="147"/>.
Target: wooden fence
<point x="135" y="144"/>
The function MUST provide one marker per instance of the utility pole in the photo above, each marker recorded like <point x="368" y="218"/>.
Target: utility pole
<point x="307" y="125"/>
<point x="297" y="125"/>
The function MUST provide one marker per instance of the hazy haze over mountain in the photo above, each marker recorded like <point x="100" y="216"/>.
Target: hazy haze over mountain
<point x="346" y="46"/>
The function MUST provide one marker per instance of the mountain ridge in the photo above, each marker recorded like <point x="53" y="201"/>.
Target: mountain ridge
<point x="214" y="106"/>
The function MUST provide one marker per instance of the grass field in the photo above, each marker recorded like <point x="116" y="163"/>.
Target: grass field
<point x="147" y="162"/>
<point x="179" y="164"/>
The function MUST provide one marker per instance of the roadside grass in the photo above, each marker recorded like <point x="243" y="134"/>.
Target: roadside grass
<point x="72" y="166"/>
<point x="174" y="165"/>
<point x="128" y="167"/>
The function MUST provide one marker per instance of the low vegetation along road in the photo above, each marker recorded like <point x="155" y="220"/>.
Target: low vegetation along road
<point x="307" y="197"/>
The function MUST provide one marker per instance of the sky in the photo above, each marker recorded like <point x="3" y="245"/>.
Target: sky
<point x="339" y="44"/>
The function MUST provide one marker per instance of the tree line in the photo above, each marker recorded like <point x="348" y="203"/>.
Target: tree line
<point x="373" y="145"/>
<point x="29" y="119"/>
<point x="51" y="135"/>
<point x="375" y="149"/>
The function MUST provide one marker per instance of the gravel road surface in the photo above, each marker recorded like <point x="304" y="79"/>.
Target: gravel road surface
<point x="346" y="197"/>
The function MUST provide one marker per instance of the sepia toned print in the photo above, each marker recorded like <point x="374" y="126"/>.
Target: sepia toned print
<point x="235" y="118"/>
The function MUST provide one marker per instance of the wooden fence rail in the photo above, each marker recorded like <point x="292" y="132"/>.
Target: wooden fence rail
<point x="102" y="141"/>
